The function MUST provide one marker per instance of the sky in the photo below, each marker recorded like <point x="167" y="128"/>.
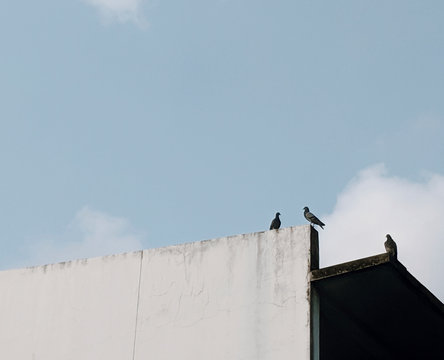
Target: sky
<point x="133" y="124"/>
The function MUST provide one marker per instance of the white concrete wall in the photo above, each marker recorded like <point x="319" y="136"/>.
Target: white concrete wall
<point x="76" y="310"/>
<point x="239" y="297"/>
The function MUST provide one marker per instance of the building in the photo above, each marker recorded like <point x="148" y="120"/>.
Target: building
<point x="254" y="296"/>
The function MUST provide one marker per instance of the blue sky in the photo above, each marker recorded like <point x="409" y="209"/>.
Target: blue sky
<point x="130" y="124"/>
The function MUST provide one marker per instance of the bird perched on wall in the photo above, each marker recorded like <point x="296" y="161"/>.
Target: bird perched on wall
<point x="390" y="246"/>
<point x="276" y="223"/>
<point x="313" y="219"/>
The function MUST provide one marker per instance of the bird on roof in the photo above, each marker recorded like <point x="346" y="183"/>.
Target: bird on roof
<point x="276" y="223"/>
<point x="390" y="246"/>
<point x="312" y="218"/>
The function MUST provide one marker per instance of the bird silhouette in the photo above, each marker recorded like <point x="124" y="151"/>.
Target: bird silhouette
<point x="276" y="223"/>
<point x="390" y="246"/>
<point x="312" y="218"/>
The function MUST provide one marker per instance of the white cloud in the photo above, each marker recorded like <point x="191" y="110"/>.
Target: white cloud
<point x="120" y="10"/>
<point x="91" y="233"/>
<point x="374" y="204"/>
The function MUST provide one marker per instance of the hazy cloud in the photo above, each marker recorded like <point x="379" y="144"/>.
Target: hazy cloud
<point x="91" y="233"/>
<point x="120" y="10"/>
<point x="374" y="204"/>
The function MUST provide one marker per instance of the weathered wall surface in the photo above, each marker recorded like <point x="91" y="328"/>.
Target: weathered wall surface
<point x="239" y="297"/>
<point x="76" y="310"/>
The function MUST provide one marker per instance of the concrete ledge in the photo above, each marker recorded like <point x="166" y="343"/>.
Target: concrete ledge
<point x="372" y="261"/>
<point x="350" y="266"/>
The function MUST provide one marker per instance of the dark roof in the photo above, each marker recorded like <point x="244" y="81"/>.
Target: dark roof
<point x="373" y="308"/>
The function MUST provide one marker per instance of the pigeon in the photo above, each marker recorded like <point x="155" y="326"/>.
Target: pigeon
<point x="276" y="223"/>
<point x="313" y="219"/>
<point x="390" y="246"/>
